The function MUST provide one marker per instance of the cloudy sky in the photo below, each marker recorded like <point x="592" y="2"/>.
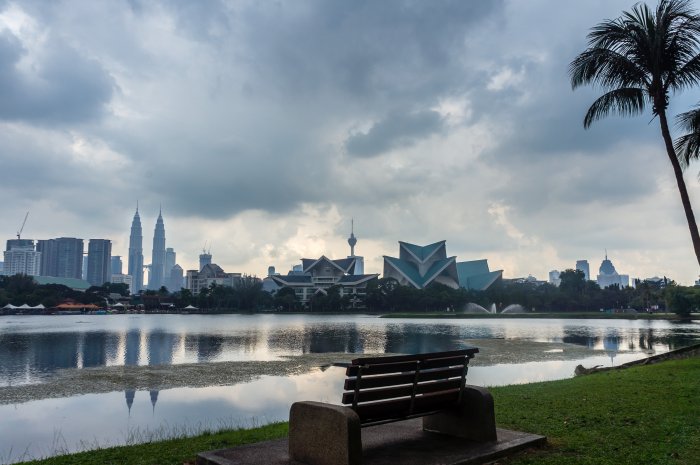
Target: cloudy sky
<point x="263" y="127"/>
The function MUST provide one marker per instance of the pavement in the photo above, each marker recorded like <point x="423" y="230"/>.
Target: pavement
<point x="402" y="442"/>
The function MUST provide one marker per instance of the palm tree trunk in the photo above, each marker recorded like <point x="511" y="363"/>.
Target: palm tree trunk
<point x="678" y="172"/>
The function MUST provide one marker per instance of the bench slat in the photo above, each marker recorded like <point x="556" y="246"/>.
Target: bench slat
<point x="401" y="391"/>
<point x="403" y="378"/>
<point x="404" y="358"/>
<point x="383" y="368"/>
<point x="400" y="408"/>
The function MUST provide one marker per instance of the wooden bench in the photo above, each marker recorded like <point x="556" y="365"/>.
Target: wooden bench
<point x="380" y="390"/>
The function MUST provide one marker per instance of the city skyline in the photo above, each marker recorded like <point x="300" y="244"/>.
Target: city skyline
<point x="453" y="121"/>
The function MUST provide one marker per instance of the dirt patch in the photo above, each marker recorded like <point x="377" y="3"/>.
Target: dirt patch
<point x="685" y="352"/>
<point x="74" y="381"/>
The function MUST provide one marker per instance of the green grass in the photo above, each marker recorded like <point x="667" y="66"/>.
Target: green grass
<point x="171" y="452"/>
<point x="641" y="415"/>
<point x="646" y="414"/>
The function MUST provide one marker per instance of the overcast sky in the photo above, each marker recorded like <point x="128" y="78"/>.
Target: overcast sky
<point x="263" y="127"/>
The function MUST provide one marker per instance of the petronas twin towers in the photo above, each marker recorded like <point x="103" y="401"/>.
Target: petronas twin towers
<point x="157" y="267"/>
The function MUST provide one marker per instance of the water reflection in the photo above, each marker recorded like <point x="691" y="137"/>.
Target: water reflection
<point x="32" y="348"/>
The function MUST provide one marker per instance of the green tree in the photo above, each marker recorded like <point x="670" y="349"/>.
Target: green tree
<point x="640" y="58"/>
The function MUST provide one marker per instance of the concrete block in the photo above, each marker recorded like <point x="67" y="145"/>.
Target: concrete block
<point x="324" y="434"/>
<point x="473" y="419"/>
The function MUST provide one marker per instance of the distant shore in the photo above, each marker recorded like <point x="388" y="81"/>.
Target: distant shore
<point x="557" y="315"/>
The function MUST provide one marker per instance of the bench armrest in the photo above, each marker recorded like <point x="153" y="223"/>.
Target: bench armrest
<point x="324" y="434"/>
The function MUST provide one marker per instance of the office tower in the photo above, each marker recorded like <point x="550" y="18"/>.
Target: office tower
<point x="156" y="277"/>
<point x="582" y="265"/>
<point x="136" y="254"/>
<point x="170" y="260"/>
<point x="116" y="264"/>
<point x="204" y="259"/>
<point x="176" y="280"/>
<point x="61" y="257"/>
<point x="84" y="275"/>
<point x="99" y="262"/>
<point x="21" y="258"/>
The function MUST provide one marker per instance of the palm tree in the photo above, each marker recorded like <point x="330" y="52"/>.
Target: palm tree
<point x="640" y="58"/>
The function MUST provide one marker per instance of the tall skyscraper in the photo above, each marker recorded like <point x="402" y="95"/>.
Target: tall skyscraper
<point x="582" y="265"/>
<point x="136" y="254"/>
<point x="116" y="264"/>
<point x="99" y="269"/>
<point x="156" y="277"/>
<point x="61" y="257"/>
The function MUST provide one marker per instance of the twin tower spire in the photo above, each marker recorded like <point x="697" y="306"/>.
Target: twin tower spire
<point x="157" y="266"/>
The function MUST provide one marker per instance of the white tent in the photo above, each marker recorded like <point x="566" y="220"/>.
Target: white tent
<point x="9" y="307"/>
<point x="190" y="307"/>
<point x="39" y="307"/>
<point x="24" y="306"/>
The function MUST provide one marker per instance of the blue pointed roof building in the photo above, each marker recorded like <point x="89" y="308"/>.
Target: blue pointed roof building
<point x="419" y="266"/>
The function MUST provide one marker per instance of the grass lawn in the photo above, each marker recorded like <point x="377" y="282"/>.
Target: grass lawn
<point x="641" y="415"/>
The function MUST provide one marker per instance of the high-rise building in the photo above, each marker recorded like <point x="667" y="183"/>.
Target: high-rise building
<point x="204" y="259"/>
<point x="12" y="243"/>
<point x="61" y="257"/>
<point x="84" y="275"/>
<point x="582" y="265"/>
<point x="156" y="276"/>
<point x="136" y="254"/>
<point x="608" y="275"/>
<point x="176" y="280"/>
<point x="170" y="260"/>
<point x="99" y="269"/>
<point x="554" y="277"/>
<point x="116" y="264"/>
<point x="21" y="258"/>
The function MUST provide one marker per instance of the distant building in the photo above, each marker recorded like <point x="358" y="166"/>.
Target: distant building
<point x="61" y="257"/>
<point x="582" y="265"/>
<point x="170" y="261"/>
<point x="12" y="243"/>
<point x="117" y="264"/>
<point x="85" y="263"/>
<point x="317" y="275"/>
<point x="419" y="266"/>
<point x="271" y="271"/>
<point x="21" y="258"/>
<point x="99" y="262"/>
<point x="554" y="277"/>
<point x="135" y="266"/>
<point x="608" y="275"/>
<point x="176" y="280"/>
<point x="120" y="278"/>
<point x="156" y="275"/>
<point x="208" y="275"/>
<point x="204" y="259"/>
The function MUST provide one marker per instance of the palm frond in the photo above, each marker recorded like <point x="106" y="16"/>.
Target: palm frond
<point x="688" y="146"/>
<point x="606" y="68"/>
<point x="625" y="102"/>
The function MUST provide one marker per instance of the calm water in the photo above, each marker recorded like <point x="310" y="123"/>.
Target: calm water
<point x="32" y="348"/>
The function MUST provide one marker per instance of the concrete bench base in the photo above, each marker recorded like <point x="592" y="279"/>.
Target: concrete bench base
<point x="326" y="434"/>
<point x="402" y="443"/>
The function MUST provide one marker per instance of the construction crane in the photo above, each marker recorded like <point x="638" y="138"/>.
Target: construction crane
<point x="19" y="233"/>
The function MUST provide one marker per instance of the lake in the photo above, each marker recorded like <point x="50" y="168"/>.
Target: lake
<point x="36" y="351"/>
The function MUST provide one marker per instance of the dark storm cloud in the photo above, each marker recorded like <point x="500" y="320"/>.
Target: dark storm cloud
<point x="367" y="50"/>
<point x="398" y="130"/>
<point x="63" y="87"/>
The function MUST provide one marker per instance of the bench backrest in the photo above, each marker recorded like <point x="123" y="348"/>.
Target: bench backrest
<point x="385" y="389"/>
